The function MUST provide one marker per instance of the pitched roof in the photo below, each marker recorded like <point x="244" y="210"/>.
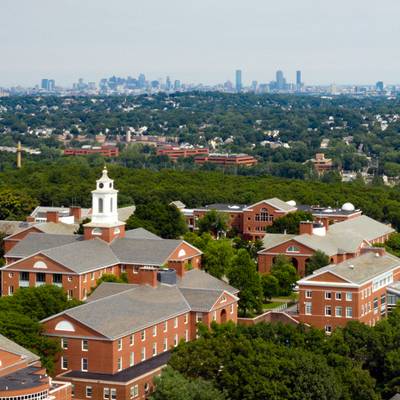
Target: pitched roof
<point x="199" y="279"/>
<point x="131" y="310"/>
<point x="109" y="289"/>
<point x="83" y="256"/>
<point x="144" y="251"/>
<point x="201" y="300"/>
<point x="276" y="203"/>
<point x="125" y="212"/>
<point x="140" y="233"/>
<point x="361" y="269"/>
<point x="12" y="347"/>
<point x="341" y="237"/>
<point x="12" y="227"/>
<point x="224" y="207"/>
<point x="58" y="228"/>
<point x="35" y="242"/>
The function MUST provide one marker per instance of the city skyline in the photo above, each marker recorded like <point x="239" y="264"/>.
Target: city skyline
<point x="198" y="42"/>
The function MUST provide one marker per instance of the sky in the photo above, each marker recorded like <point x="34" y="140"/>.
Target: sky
<point x="340" y="41"/>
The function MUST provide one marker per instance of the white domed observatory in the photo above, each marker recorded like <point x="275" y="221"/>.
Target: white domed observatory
<point x="348" y="207"/>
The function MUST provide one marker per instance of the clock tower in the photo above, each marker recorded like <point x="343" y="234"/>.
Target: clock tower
<point x="104" y="224"/>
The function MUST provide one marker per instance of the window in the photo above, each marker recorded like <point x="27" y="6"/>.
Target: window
<point x="72" y="390"/>
<point x="154" y="349"/>
<point x="199" y="317"/>
<point x="349" y="296"/>
<point x="85" y="345"/>
<point x="84" y="364"/>
<point x="214" y="317"/>
<point x="111" y="204"/>
<point x="106" y="393"/>
<point x="338" y="311"/>
<point x="69" y="278"/>
<point x="308" y="308"/>
<point x="131" y="340"/>
<point x="100" y="206"/>
<point x="376" y="305"/>
<point x="186" y="318"/>
<point x="328" y="329"/>
<point x="134" y="391"/>
<point x="84" y="278"/>
<point x="132" y="359"/>
<point x="64" y="363"/>
<point x="40" y="277"/>
<point x="328" y="295"/>
<point x="84" y="294"/>
<point x="176" y="340"/>
<point x="232" y="308"/>
<point x="11" y="274"/>
<point x="57" y="279"/>
<point x="88" y="391"/>
<point x="328" y="311"/>
<point x="186" y="335"/>
<point x="293" y="249"/>
<point x="349" y="312"/>
<point x="24" y="276"/>
<point x="165" y="346"/>
<point x="165" y="326"/>
<point x="143" y="335"/>
<point x="155" y="330"/>
<point x="176" y="322"/>
<point x="308" y="294"/>
<point x="362" y="309"/>
<point x="92" y="276"/>
<point x="70" y="294"/>
<point x="113" y="394"/>
<point x="119" y="344"/>
<point x="64" y="343"/>
<point x="10" y="290"/>
<point x="146" y="387"/>
<point x="338" y="296"/>
<point x="143" y="354"/>
<point x="119" y="364"/>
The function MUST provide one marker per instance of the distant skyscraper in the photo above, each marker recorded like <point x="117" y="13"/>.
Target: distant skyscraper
<point x="168" y="83"/>
<point x="298" y="80"/>
<point x="51" y="85"/>
<point x="177" y="84"/>
<point x="280" y="80"/>
<point x="141" y="81"/>
<point x="254" y="85"/>
<point x="238" y="84"/>
<point x="45" y="84"/>
<point x="379" y="86"/>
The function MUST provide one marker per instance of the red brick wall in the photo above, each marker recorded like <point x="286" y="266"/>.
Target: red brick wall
<point x="14" y="239"/>
<point x="107" y="234"/>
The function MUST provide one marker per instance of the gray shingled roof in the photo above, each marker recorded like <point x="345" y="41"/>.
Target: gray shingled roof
<point x="276" y="203"/>
<point x="125" y="212"/>
<point x="109" y="289"/>
<point x="201" y="300"/>
<point x="131" y="310"/>
<point x="15" y="348"/>
<point x="82" y="256"/>
<point x="140" y="233"/>
<point x="58" y="228"/>
<point x="199" y="279"/>
<point x="35" y="242"/>
<point x="361" y="269"/>
<point x="144" y="251"/>
<point x="12" y="227"/>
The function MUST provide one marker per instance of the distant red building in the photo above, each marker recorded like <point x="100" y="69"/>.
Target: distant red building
<point x="227" y="159"/>
<point x="106" y="151"/>
<point x="177" y="152"/>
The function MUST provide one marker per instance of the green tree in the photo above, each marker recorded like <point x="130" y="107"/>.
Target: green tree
<point x="15" y="205"/>
<point x="213" y="222"/>
<point x="172" y="385"/>
<point x="318" y="260"/>
<point x="270" y="286"/>
<point x="112" y="278"/>
<point x="217" y="257"/>
<point x="244" y="276"/>
<point x="285" y="273"/>
<point x="290" y="222"/>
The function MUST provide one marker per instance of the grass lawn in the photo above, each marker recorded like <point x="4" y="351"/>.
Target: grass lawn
<point x="272" y="304"/>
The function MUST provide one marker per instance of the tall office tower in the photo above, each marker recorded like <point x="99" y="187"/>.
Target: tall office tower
<point x="168" y="83"/>
<point x="298" y="80"/>
<point x="51" y="85"/>
<point x="280" y="80"/>
<point x="45" y="84"/>
<point x="254" y="85"/>
<point x="141" y="81"/>
<point x="238" y="80"/>
<point x="379" y="86"/>
<point x="177" y="84"/>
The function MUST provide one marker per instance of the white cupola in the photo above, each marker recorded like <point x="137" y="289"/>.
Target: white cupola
<point x="105" y="201"/>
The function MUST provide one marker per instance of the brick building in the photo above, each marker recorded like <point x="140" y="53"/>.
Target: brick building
<point x="358" y="289"/>
<point x="114" y="345"/>
<point x="322" y="164"/>
<point x="174" y="152"/>
<point x="340" y="241"/>
<point x="227" y="159"/>
<point x="76" y="262"/>
<point x="22" y="376"/>
<point x="105" y="150"/>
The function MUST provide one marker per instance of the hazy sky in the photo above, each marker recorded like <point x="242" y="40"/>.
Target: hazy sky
<point x="342" y="41"/>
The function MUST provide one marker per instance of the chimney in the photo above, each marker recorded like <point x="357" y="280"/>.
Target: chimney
<point x="147" y="276"/>
<point x="378" y="251"/>
<point x="306" y="227"/>
<point x="325" y="221"/>
<point x="76" y="212"/>
<point x="52" y="216"/>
